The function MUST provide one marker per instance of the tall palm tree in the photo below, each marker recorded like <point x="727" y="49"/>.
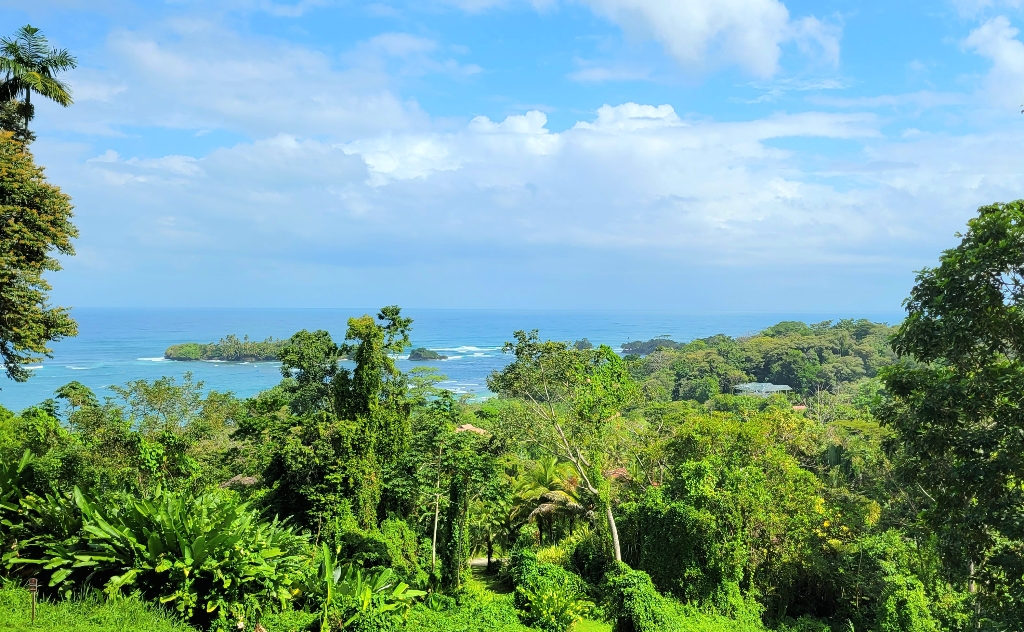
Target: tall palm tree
<point x="29" y="65"/>
<point x="550" y="490"/>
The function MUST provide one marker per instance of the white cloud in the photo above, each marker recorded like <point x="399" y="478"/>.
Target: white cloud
<point x="997" y="40"/>
<point x="701" y="34"/>
<point x="635" y="176"/>
<point x="971" y="8"/>
<point x="632" y="181"/>
<point x="591" y="72"/>
<point x="632" y="117"/>
<point x="478" y="6"/>
<point x="400" y="44"/>
<point x="193" y="74"/>
<point x="921" y="99"/>
<point x="417" y="55"/>
<point x="531" y="123"/>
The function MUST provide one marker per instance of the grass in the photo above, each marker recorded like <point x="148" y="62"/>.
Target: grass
<point x="491" y="580"/>
<point x="85" y="615"/>
<point x="589" y="625"/>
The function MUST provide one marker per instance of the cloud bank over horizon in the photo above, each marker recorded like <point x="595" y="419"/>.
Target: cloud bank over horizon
<point x="744" y="155"/>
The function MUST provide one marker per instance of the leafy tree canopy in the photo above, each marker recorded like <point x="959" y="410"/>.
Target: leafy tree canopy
<point x="958" y="412"/>
<point x="35" y="220"/>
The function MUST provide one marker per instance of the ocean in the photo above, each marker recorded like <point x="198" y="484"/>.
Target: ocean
<point x="115" y="346"/>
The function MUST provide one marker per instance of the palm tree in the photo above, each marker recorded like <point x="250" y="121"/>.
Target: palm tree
<point x="29" y="65"/>
<point x="551" y="490"/>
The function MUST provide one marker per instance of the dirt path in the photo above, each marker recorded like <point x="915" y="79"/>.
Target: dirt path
<point x="490" y="579"/>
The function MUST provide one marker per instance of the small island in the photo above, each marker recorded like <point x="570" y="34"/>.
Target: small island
<point x="422" y="353"/>
<point x="228" y="349"/>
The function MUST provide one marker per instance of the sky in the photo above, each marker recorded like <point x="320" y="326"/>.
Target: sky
<point x="688" y="155"/>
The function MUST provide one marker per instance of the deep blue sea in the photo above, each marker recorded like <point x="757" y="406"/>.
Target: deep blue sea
<point x="115" y="346"/>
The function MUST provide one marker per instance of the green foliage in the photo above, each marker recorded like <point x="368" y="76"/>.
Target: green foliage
<point x="209" y="557"/>
<point x="550" y="597"/>
<point x="152" y="434"/>
<point x="634" y="605"/>
<point x="480" y="613"/>
<point x="552" y="608"/>
<point x="568" y="403"/>
<point x="641" y="347"/>
<point x="29" y="66"/>
<point x="348" y="597"/>
<point x="957" y="413"/>
<point x="591" y="558"/>
<point x="808" y="358"/>
<point x="346" y="426"/>
<point x="737" y="511"/>
<point x="35" y="220"/>
<point x="394" y="545"/>
<point x="230" y="348"/>
<point x="742" y="510"/>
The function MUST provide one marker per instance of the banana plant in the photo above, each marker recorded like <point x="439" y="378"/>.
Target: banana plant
<point x="361" y="594"/>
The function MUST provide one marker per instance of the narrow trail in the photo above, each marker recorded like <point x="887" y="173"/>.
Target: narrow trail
<point x="490" y="579"/>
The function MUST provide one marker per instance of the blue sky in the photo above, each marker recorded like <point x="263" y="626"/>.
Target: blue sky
<point x="694" y="155"/>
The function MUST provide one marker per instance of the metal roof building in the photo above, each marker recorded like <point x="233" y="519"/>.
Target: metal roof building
<point x="761" y="389"/>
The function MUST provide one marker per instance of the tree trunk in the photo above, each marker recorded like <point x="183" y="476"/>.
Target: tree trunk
<point x="433" y="545"/>
<point x="972" y="588"/>
<point x="615" y="532"/>
<point x="490" y="550"/>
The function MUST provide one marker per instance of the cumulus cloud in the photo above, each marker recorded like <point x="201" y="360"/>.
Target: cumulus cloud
<point x="704" y="33"/>
<point x="701" y="35"/>
<point x="633" y="176"/>
<point x="325" y="181"/>
<point x="632" y="181"/>
<point x="997" y="40"/>
<point x="194" y="74"/>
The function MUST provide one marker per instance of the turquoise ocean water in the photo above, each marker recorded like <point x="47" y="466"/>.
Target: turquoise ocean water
<point x="118" y="345"/>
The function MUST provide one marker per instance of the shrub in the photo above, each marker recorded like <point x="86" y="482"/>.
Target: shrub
<point x="551" y="607"/>
<point x="394" y="545"/>
<point x="350" y="599"/>
<point x="592" y="557"/>
<point x="634" y="605"/>
<point x="483" y="613"/>
<point x="208" y="557"/>
<point x="550" y="597"/>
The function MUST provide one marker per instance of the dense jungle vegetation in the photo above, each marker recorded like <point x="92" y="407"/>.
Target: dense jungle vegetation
<point x="595" y="491"/>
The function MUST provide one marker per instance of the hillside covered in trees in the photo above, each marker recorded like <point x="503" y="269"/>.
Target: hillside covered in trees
<point x="825" y="356"/>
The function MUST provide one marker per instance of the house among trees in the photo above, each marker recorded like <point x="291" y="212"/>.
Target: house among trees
<point x="761" y="389"/>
